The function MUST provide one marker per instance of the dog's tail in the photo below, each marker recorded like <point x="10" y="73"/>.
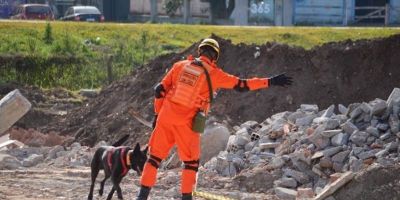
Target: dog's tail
<point x="121" y="141"/>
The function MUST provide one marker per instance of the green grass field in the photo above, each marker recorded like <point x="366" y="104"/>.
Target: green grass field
<point x="133" y="45"/>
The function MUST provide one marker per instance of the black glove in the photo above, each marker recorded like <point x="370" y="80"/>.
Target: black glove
<point x="280" y="80"/>
<point x="154" y="121"/>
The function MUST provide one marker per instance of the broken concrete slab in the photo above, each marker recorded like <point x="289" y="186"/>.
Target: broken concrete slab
<point x="331" y="133"/>
<point x="12" y="107"/>
<point x="349" y="127"/>
<point x="342" y="109"/>
<point x="329" y="112"/>
<point x="333" y="187"/>
<point x="332" y="151"/>
<point x="213" y="140"/>
<point x="286" y="182"/>
<point x="9" y="162"/>
<point x="284" y="193"/>
<point x="341" y="157"/>
<point x="395" y="95"/>
<point x="378" y="107"/>
<point x="359" y="137"/>
<point x="298" y="176"/>
<point x="269" y="145"/>
<point x="32" y="160"/>
<point x="373" y="131"/>
<point x="309" y="108"/>
<point x="340" y="139"/>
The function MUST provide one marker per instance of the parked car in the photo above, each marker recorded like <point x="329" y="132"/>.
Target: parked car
<point x="83" y="13"/>
<point x="33" y="11"/>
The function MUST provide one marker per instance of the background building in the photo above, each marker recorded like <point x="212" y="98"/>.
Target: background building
<point x="235" y="12"/>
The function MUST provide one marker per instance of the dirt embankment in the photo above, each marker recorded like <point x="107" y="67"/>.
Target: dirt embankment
<point x="344" y="72"/>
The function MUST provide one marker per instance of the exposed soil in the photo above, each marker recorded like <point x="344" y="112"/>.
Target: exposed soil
<point x="63" y="183"/>
<point x="374" y="183"/>
<point x="334" y="73"/>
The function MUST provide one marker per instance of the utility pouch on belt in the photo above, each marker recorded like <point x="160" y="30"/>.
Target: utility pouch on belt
<point x="199" y="120"/>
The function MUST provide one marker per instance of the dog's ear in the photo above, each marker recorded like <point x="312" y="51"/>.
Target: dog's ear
<point x="137" y="147"/>
<point x="145" y="150"/>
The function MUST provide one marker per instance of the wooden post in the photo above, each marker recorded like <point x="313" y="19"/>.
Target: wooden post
<point x="186" y="11"/>
<point x="153" y="11"/>
<point x="387" y="14"/>
<point x="109" y="69"/>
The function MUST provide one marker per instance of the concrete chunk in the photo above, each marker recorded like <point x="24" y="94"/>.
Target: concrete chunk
<point x="331" y="151"/>
<point x="340" y="157"/>
<point x="329" y="111"/>
<point x="12" y="107"/>
<point x="373" y="131"/>
<point x="366" y="154"/>
<point x="340" y="139"/>
<point x="286" y="182"/>
<point x="331" y="124"/>
<point x="309" y="108"/>
<point x="269" y="145"/>
<point x="284" y="193"/>
<point x="378" y="107"/>
<point x="349" y="127"/>
<point x="395" y="95"/>
<point x="331" y="133"/>
<point x="342" y="109"/>
<point x="359" y="137"/>
<point x="298" y="176"/>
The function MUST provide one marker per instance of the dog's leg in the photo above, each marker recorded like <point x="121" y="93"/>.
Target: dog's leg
<point x="95" y="171"/>
<point x="116" y="183"/>
<point x="109" y="197"/>
<point x="106" y="176"/>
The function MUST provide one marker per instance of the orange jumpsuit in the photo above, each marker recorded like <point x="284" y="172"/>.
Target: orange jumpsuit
<point x="174" y="122"/>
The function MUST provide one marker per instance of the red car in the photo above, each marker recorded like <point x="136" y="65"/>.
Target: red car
<point x="33" y="11"/>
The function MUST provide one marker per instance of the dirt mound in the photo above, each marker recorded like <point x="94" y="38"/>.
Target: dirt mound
<point x="334" y="73"/>
<point x="48" y="106"/>
<point x="375" y="183"/>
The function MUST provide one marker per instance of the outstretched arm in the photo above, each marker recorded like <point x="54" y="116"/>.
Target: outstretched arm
<point x="227" y="81"/>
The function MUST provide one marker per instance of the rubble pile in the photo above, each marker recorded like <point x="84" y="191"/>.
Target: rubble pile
<point x="306" y="150"/>
<point x="74" y="156"/>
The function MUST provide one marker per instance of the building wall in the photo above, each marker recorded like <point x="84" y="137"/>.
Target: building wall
<point x="394" y="12"/>
<point x="142" y="7"/>
<point x="319" y="12"/>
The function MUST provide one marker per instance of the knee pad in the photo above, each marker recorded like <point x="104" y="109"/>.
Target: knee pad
<point x="192" y="165"/>
<point x="155" y="161"/>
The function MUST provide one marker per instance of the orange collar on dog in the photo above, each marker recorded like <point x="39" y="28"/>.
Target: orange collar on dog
<point x="128" y="158"/>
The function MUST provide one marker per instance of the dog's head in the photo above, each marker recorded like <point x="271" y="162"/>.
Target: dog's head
<point x="138" y="158"/>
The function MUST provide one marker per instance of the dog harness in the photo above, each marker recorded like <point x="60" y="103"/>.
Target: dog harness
<point x="125" y="165"/>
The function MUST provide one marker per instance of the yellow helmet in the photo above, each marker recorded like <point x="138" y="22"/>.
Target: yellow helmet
<point x="211" y="43"/>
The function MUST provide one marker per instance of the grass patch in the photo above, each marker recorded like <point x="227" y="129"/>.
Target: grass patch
<point x="131" y="45"/>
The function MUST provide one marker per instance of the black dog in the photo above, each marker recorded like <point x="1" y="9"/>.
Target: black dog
<point x="116" y="160"/>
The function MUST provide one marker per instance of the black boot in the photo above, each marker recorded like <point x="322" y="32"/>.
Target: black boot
<point x="187" y="196"/>
<point x="143" y="193"/>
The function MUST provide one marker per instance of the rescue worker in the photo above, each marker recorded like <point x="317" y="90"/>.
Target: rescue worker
<point x="180" y="95"/>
